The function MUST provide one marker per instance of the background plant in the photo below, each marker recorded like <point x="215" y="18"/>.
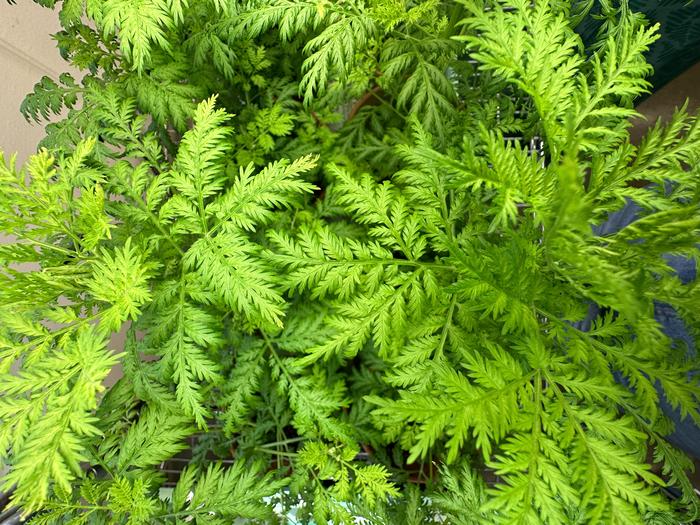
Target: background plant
<point x="331" y="265"/>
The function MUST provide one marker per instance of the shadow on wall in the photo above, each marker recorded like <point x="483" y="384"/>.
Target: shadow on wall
<point x="27" y="52"/>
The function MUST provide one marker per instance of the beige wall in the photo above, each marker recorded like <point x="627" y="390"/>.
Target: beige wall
<point x="664" y="102"/>
<point x="27" y="52"/>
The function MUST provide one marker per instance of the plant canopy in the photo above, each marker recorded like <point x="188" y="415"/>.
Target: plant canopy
<point x="348" y="282"/>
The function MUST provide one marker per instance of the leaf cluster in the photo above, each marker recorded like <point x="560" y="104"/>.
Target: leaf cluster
<point x="350" y="284"/>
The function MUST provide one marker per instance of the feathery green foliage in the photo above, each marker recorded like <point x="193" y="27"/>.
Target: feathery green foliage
<point x="345" y="289"/>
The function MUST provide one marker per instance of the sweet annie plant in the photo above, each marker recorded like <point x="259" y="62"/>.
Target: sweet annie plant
<point x="338" y="277"/>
